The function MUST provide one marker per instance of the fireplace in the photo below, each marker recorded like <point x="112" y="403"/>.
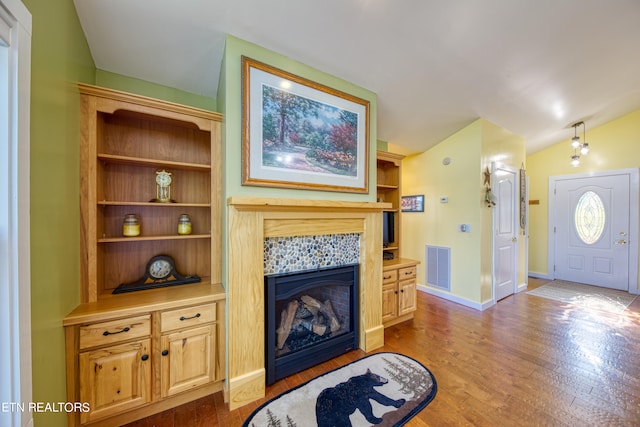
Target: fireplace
<point x="311" y="317"/>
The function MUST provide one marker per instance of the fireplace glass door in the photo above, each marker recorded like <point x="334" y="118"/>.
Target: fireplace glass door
<point x="311" y="317"/>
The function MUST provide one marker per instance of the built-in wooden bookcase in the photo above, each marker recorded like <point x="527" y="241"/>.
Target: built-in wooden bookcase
<point x="399" y="281"/>
<point x="133" y="354"/>
<point x="126" y="139"/>
<point x="388" y="191"/>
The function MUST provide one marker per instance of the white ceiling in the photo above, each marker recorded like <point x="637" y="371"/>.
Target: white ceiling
<point x="533" y="67"/>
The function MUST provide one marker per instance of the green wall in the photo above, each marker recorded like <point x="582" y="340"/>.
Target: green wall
<point x="153" y="90"/>
<point x="230" y="104"/>
<point x="60" y="59"/>
<point x="60" y="56"/>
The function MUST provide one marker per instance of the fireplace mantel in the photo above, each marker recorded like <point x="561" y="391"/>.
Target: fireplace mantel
<point x="250" y="221"/>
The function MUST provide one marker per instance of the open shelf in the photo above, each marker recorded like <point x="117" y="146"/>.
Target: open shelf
<point x="111" y="158"/>
<point x="127" y="139"/>
<point x="388" y="190"/>
<point x="149" y="238"/>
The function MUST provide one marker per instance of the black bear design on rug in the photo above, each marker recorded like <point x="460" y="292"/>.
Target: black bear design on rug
<point x="335" y="404"/>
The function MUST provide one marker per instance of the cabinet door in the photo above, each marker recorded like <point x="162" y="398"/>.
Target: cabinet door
<point x="407" y="297"/>
<point x="389" y="302"/>
<point x="115" y="379"/>
<point x="187" y="359"/>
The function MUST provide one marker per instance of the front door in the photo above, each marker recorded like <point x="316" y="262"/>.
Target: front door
<point x="506" y="232"/>
<point x="592" y="229"/>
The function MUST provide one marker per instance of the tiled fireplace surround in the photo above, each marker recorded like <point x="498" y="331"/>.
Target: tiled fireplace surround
<point x="251" y="221"/>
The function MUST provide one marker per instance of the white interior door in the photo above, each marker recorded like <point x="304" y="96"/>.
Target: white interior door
<point x="592" y="229"/>
<point x="506" y="232"/>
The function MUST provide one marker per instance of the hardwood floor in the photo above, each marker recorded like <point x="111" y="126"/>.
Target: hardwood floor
<point x="527" y="361"/>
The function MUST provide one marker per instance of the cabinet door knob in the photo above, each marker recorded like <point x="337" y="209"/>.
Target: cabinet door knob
<point x="144" y="357"/>
<point x="188" y="318"/>
<point x="165" y="352"/>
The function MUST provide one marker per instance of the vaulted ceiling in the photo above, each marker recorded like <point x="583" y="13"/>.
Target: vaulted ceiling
<point x="531" y="67"/>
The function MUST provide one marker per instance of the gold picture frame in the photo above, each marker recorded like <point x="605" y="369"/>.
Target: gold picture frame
<point x="301" y="134"/>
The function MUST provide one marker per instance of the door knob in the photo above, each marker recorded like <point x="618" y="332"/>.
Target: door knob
<point x="514" y="239"/>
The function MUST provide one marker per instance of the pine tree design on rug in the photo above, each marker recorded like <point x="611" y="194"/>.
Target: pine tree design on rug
<point x="410" y="377"/>
<point x="273" y="421"/>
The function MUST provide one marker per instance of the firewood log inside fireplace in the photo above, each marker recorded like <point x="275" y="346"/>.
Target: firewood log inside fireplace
<point x="309" y="313"/>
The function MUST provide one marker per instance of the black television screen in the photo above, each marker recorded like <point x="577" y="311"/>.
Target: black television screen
<point x="387" y="228"/>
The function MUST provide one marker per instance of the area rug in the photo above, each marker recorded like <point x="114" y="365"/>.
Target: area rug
<point x="609" y="300"/>
<point x="384" y="389"/>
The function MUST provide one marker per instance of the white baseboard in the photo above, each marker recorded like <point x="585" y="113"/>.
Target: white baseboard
<point x="455" y="298"/>
<point x="544" y="276"/>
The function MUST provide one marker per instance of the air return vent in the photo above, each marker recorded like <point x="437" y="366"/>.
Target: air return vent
<point x="439" y="267"/>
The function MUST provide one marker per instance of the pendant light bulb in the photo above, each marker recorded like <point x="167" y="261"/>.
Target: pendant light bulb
<point x="575" y="160"/>
<point x="584" y="149"/>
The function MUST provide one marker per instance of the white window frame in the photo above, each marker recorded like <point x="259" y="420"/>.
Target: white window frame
<point x="15" y="264"/>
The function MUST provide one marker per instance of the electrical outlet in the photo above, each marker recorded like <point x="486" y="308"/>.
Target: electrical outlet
<point x="464" y="228"/>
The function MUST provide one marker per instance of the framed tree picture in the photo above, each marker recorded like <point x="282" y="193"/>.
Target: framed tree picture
<point x="301" y="134"/>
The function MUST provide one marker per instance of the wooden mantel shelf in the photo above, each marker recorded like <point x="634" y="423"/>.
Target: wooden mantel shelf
<point x="300" y="205"/>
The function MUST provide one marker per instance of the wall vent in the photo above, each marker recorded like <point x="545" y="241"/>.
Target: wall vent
<point x="439" y="267"/>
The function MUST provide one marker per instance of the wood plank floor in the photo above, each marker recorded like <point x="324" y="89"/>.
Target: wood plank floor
<point x="527" y="361"/>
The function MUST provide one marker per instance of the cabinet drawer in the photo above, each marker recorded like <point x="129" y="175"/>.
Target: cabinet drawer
<point x="114" y="331"/>
<point x="187" y="316"/>
<point x="389" y="276"/>
<point x="407" y="273"/>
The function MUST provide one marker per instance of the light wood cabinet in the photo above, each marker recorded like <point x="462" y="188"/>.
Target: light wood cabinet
<point x="131" y="367"/>
<point x="115" y="379"/>
<point x="116" y="343"/>
<point x="399" y="288"/>
<point x="187" y="355"/>
<point x="187" y="359"/>
<point x="399" y="274"/>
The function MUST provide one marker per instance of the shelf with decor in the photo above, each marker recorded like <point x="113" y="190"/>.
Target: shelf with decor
<point x="126" y="142"/>
<point x="150" y="210"/>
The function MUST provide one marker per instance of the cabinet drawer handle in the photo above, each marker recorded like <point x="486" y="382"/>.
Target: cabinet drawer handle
<point x="408" y="273"/>
<point x="387" y="277"/>
<point x="144" y="357"/>
<point x="189" y="318"/>
<point x="107" y="333"/>
<point x="165" y="352"/>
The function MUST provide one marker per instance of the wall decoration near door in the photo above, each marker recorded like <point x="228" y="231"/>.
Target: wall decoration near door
<point x="413" y="203"/>
<point x="301" y="134"/>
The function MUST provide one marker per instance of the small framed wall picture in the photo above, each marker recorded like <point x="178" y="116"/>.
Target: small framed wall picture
<point x="413" y="203"/>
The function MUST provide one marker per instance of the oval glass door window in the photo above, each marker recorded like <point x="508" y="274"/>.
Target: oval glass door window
<point x="590" y="217"/>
